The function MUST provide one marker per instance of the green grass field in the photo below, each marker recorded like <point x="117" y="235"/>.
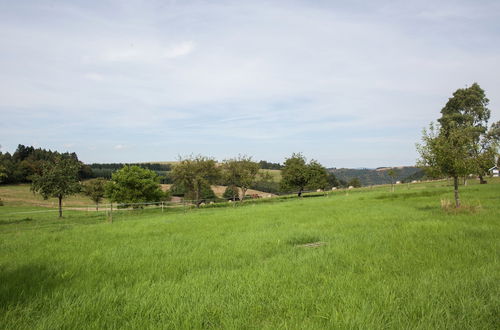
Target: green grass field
<point x="386" y="260"/>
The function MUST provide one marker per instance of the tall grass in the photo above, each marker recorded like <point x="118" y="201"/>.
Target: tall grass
<point x="388" y="262"/>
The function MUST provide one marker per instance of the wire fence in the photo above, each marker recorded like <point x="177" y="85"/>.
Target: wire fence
<point x="184" y="204"/>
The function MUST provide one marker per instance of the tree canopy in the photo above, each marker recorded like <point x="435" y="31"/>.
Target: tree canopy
<point x="240" y="172"/>
<point x="133" y="184"/>
<point x="58" y="178"/>
<point x="195" y="173"/>
<point x="461" y="143"/>
<point x="298" y="175"/>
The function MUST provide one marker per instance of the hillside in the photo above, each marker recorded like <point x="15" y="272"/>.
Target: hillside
<point x="379" y="175"/>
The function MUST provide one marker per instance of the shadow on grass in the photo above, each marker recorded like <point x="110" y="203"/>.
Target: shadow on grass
<point x="8" y="222"/>
<point x="406" y="195"/>
<point x="23" y="284"/>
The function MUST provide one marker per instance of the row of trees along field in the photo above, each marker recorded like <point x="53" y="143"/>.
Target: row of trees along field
<point x="461" y="142"/>
<point x="26" y="161"/>
<point x="60" y="176"/>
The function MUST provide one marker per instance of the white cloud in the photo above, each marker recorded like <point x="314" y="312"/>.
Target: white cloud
<point x="119" y="147"/>
<point x="264" y="69"/>
<point x="179" y="50"/>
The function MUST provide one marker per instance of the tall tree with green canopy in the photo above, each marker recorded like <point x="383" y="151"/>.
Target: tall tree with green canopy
<point x="194" y="173"/>
<point x="240" y="172"/>
<point x="58" y="178"/>
<point x="95" y="189"/>
<point x="468" y="111"/>
<point x="134" y="184"/>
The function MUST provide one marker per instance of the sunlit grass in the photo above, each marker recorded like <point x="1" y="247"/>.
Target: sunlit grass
<point x="389" y="260"/>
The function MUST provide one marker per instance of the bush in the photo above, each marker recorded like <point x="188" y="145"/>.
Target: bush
<point x="231" y="193"/>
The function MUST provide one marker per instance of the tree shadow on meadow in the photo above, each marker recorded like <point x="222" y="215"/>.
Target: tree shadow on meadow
<point x="25" y="283"/>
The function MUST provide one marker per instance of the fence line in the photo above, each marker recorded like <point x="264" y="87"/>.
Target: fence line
<point x="160" y="204"/>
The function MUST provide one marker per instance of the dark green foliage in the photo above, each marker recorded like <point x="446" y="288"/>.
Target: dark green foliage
<point x="231" y="192"/>
<point x="133" y="184"/>
<point x="27" y="161"/>
<point x="270" y="166"/>
<point x="207" y="194"/>
<point x="297" y="174"/>
<point x="240" y="172"/>
<point x="318" y="176"/>
<point x="58" y="178"/>
<point x="105" y="170"/>
<point x="195" y="174"/>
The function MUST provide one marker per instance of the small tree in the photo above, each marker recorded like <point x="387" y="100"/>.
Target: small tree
<point x="95" y="189"/>
<point x="294" y="174"/>
<point x="133" y="184"/>
<point x="446" y="154"/>
<point x="231" y="193"/>
<point x="240" y="172"/>
<point x="193" y="173"/>
<point x="393" y="174"/>
<point x="57" y="179"/>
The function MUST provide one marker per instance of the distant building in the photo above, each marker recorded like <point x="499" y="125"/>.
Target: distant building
<point x="494" y="171"/>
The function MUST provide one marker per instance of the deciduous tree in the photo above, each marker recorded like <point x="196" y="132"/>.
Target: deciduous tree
<point x="240" y="172"/>
<point x="58" y="178"/>
<point x="297" y="174"/>
<point x="195" y="172"/>
<point x="133" y="184"/>
<point x="95" y="189"/>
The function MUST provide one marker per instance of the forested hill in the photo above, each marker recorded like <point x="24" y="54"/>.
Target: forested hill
<point x="379" y="175"/>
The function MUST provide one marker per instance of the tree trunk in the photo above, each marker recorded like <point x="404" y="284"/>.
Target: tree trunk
<point x="299" y="194"/>
<point x="97" y="207"/>
<point x="465" y="180"/>
<point x="457" y="198"/>
<point x="243" y="192"/>
<point x="482" y="180"/>
<point x="392" y="187"/>
<point x="60" y="206"/>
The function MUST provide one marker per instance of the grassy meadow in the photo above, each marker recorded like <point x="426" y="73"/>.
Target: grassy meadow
<point x="378" y="260"/>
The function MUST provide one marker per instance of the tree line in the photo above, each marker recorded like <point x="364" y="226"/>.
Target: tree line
<point x="60" y="175"/>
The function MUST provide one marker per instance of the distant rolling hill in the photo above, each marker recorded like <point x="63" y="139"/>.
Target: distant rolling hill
<point x="378" y="175"/>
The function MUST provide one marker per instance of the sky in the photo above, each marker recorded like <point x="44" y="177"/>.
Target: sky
<point x="348" y="83"/>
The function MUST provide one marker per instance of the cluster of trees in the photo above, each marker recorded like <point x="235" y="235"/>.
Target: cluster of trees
<point x="461" y="143"/>
<point x="59" y="178"/>
<point x="27" y="161"/>
<point x="132" y="185"/>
